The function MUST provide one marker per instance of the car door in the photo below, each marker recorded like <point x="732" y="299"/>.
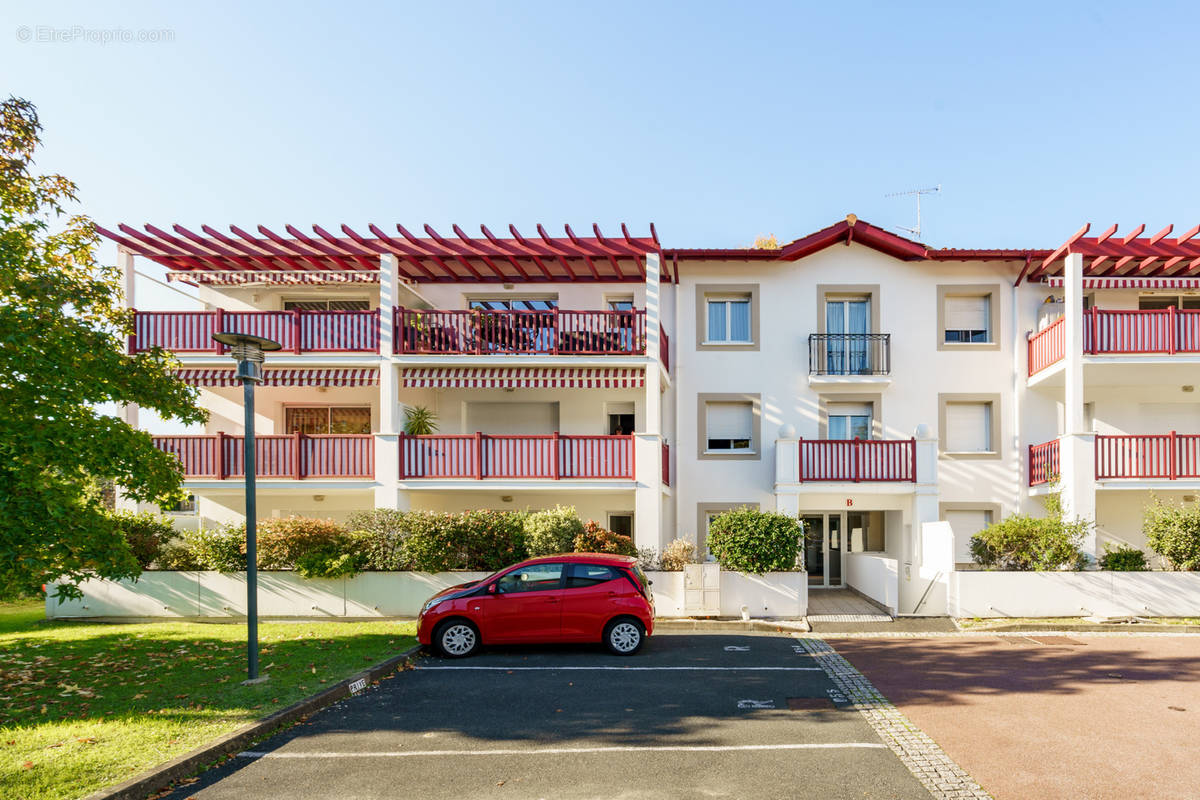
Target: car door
<point x="526" y="605"/>
<point x="594" y="593"/>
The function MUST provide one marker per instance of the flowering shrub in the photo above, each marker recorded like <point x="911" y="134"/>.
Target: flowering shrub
<point x="676" y="554"/>
<point x="595" y="539"/>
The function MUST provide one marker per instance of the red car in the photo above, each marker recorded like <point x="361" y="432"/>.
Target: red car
<point x="575" y="597"/>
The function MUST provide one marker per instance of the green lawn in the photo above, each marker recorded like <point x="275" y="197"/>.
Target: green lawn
<point x="86" y="705"/>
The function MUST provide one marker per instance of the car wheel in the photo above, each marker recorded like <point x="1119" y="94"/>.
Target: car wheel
<point x="624" y="636"/>
<point x="456" y="638"/>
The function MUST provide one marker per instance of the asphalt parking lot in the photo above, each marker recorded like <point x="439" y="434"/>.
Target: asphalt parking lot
<point x="692" y="715"/>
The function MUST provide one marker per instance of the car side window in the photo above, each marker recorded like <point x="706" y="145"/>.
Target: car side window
<point x="582" y="575"/>
<point x="534" y="578"/>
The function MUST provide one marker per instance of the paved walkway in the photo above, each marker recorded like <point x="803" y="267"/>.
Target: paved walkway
<point x="842" y="605"/>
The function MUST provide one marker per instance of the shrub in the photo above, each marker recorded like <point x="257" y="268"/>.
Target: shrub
<point x="380" y="534"/>
<point x="1173" y="531"/>
<point x="676" y="554"/>
<point x="1123" y="559"/>
<point x="749" y="540"/>
<point x="282" y="541"/>
<point x="491" y="539"/>
<point x="222" y="549"/>
<point x="430" y="545"/>
<point x="647" y="558"/>
<point x="1024" y="544"/>
<point x="595" y="539"/>
<point x="145" y="532"/>
<point x="177" y="556"/>
<point x="552" y="531"/>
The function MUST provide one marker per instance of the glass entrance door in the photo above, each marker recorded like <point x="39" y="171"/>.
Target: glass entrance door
<point x="824" y="545"/>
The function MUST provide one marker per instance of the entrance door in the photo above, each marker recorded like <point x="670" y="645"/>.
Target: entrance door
<point x="824" y="548"/>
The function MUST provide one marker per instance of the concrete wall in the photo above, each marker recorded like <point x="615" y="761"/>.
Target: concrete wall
<point x="875" y="576"/>
<point x="1074" y="594"/>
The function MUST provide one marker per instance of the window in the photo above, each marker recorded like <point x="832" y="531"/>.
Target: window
<point x="534" y="578"/>
<point x="728" y="320"/>
<point x="507" y="304"/>
<point x="620" y="304"/>
<point x="621" y="522"/>
<point x="326" y="305"/>
<point x="849" y="420"/>
<point x="968" y="320"/>
<point x="1154" y="302"/>
<point x="729" y="427"/>
<point x="966" y="523"/>
<point x="581" y="576"/>
<point x="327" y="419"/>
<point x="968" y="427"/>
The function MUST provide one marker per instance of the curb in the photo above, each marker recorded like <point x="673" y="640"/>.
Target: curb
<point x="1059" y="627"/>
<point x="757" y="625"/>
<point x="157" y="778"/>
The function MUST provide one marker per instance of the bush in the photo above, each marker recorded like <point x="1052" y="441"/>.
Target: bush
<point x="1123" y="559"/>
<point x="145" y="532"/>
<point x="222" y="549"/>
<point x="380" y="535"/>
<point x="647" y="559"/>
<point x="1026" y="544"/>
<point x="177" y="556"/>
<point x="284" y="541"/>
<point x="552" y="531"/>
<point x="595" y="539"/>
<point x="749" y="540"/>
<point x="676" y="554"/>
<point x="1173" y="532"/>
<point x="478" y="540"/>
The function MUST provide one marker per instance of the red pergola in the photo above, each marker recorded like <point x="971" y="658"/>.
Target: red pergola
<point x="1129" y="256"/>
<point x="433" y="258"/>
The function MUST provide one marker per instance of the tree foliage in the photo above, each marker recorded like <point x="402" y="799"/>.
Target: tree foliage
<point x="62" y="329"/>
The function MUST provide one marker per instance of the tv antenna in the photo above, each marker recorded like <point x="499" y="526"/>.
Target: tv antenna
<point x="916" y="230"/>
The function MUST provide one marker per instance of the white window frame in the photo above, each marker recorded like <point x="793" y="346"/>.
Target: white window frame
<point x="727" y="299"/>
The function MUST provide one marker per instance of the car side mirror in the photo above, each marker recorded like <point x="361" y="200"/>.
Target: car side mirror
<point x="491" y="588"/>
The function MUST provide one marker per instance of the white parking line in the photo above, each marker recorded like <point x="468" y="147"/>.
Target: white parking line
<point x="551" y="751"/>
<point x="638" y="669"/>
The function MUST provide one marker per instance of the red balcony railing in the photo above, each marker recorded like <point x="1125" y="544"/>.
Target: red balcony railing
<point x="664" y="349"/>
<point x="296" y="455"/>
<point x="1168" y="456"/>
<point x="1047" y="346"/>
<point x="551" y="332"/>
<point x="298" y="331"/>
<point x="858" y="460"/>
<point x="666" y="464"/>
<point x="480" y="456"/>
<point x="1043" y="462"/>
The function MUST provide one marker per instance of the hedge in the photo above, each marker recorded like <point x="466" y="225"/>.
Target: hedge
<point x="753" y="541"/>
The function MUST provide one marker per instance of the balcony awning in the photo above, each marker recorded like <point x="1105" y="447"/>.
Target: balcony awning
<point x="524" y="378"/>
<point x="283" y="377"/>
<point x="1132" y="283"/>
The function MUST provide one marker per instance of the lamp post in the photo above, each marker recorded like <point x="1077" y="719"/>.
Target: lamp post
<point x="249" y="351"/>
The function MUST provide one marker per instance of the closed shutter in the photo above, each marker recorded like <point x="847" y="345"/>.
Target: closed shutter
<point x="967" y="313"/>
<point x="969" y="427"/>
<point x="727" y="423"/>
<point x="966" y="524"/>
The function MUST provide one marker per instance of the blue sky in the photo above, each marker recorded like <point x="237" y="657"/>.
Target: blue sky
<point x="718" y="121"/>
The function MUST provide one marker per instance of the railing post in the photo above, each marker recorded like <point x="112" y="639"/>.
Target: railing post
<point x="478" y="455"/>
<point x="1172" y="330"/>
<point x="297" y="438"/>
<point x="856" y="460"/>
<point x="219" y="325"/>
<point x="557" y="330"/>
<point x="912" y="452"/>
<point x="403" y="455"/>
<point x="1174" y="453"/>
<point x="800" y="460"/>
<point x="554" y="465"/>
<point x="1095" y="343"/>
<point x="478" y="332"/>
<point x="296" y="330"/>
<point x="222" y="472"/>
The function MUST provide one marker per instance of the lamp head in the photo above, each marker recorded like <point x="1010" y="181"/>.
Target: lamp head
<point x="248" y="351"/>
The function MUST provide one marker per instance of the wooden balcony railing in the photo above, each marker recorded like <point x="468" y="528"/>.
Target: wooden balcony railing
<point x="666" y="464"/>
<point x="858" y="460"/>
<point x="552" y="332"/>
<point x="1168" y="456"/>
<point x="481" y="456"/>
<point x="298" y="331"/>
<point x="1043" y="462"/>
<point x="1119" y="332"/>
<point x="664" y="349"/>
<point x="297" y="456"/>
<point x="849" y="354"/>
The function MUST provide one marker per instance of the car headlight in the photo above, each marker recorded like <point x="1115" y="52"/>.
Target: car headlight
<point x="429" y="605"/>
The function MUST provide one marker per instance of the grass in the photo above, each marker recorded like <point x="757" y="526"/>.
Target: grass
<point x="978" y="623"/>
<point x="85" y="705"/>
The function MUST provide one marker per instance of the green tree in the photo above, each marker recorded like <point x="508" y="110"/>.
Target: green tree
<point x="62" y="327"/>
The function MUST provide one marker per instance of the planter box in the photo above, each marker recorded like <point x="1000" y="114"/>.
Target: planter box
<point x="376" y="594"/>
<point x="1074" y="594"/>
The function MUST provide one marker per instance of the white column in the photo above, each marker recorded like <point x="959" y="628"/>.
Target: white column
<point x="787" y="472"/>
<point x="912" y="583"/>
<point x="647" y="494"/>
<point x="389" y="291"/>
<point x="387" y="445"/>
<point x="653" y="378"/>
<point x="1077" y="447"/>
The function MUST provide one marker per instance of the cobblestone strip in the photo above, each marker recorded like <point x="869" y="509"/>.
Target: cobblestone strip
<point x="924" y="758"/>
<point x="982" y="633"/>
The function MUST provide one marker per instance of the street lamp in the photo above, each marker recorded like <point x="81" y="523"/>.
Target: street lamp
<point x="248" y="351"/>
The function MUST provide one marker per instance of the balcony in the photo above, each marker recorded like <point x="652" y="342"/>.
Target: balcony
<point x="840" y="354"/>
<point x="550" y="332"/>
<point x="550" y="457"/>
<point x="1169" y="456"/>
<point x="1117" y="332"/>
<point x="298" y="331"/>
<point x="858" y="460"/>
<point x="296" y="456"/>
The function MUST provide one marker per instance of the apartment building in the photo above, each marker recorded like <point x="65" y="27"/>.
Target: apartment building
<point x="862" y="381"/>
